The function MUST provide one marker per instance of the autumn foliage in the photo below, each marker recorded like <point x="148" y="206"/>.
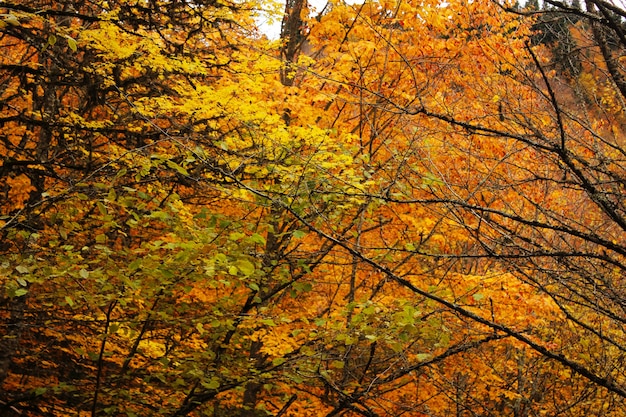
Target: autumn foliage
<point x="397" y="208"/>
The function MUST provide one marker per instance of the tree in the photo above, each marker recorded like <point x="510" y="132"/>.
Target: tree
<point x="199" y="221"/>
<point x="530" y="175"/>
<point x="129" y="134"/>
<point x="507" y="163"/>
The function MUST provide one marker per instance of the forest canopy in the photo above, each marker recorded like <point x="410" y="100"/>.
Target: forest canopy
<point x="398" y="208"/>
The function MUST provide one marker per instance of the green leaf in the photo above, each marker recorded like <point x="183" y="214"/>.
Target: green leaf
<point x="22" y="269"/>
<point x="245" y="266"/>
<point x="369" y="310"/>
<point x="257" y="238"/>
<point x="212" y="384"/>
<point x="71" y="42"/>
<point x="221" y="258"/>
<point x="429" y="179"/>
<point x="320" y="322"/>
<point x="302" y="286"/>
<point x="396" y="347"/>
<point x="349" y="340"/>
<point x="478" y="296"/>
<point x="161" y="215"/>
<point x="20" y="292"/>
<point x="135" y="265"/>
<point x="166" y="273"/>
<point x="298" y="234"/>
<point x="253" y="286"/>
<point x="102" y="208"/>
<point x="11" y="19"/>
<point x="203" y="214"/>
<point x="278" y="361"/>
<point x="235" y="236"/>
<point x="177" y="168"/>
<point x="69" y="301"/>
<point x="308" y="351"/>
<point x="112" y="196"/>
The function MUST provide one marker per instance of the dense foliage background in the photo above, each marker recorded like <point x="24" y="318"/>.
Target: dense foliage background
<point x="398" y="208"/>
